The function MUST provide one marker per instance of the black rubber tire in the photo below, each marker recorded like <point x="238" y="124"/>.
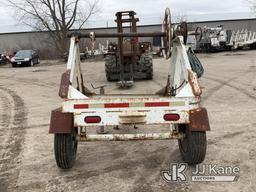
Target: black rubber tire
<point x="14" y="65"/>
<point x="31" y="63"/>
<point x="253" y="46"/>
<point x="193" y="146"/>
<point x="110" y="67"/>
<point x="65" y="149"/>
<point x="149" y="72"/>
<point x="147" y="62"/>
<point x="208" y="48"/>
<point x="228" y="48"/>
<point x="109" y="76"/>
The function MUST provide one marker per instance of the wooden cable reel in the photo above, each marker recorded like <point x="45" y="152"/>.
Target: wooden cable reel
<point x="167" y="39"/>
<point x="199" y="34"/>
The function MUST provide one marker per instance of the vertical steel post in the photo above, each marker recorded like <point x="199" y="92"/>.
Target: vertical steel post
<point x="120" y="45"/>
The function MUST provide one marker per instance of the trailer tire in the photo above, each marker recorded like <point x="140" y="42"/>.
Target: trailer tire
<point x="65" y="149"/>
<point x="193" y="146"/>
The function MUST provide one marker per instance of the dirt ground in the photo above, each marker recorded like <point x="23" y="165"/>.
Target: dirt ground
<point x="28" y="94"/>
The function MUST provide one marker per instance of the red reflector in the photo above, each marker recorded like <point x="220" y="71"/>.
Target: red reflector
<point x="116" y="105"/>
<point x="81" y="106"/>
<point x="92" y="119"/>
<point x="157" y="104"/>
<point x="171" y="117"/>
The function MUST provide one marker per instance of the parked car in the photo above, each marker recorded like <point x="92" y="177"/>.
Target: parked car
<point x="25" y="57"/>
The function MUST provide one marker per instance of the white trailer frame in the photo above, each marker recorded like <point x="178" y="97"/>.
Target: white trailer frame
<point x="176" y="105"/>
<point x="115" y="110"/>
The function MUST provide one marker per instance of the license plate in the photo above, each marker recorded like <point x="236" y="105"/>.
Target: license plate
<point x="19" y="63"/>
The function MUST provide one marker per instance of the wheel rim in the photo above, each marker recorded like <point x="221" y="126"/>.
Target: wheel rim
<point x="199" y="34"/>
<point x="31" y="63"/>
<point x="167" y="28"/>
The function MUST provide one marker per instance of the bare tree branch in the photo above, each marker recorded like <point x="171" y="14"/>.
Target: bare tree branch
<point x="181" y="17"/>
<point x="55" y="16"/>
<point x="73" y="17"/>
<point x="93" y="10"/>
<point x="251" y="4"/>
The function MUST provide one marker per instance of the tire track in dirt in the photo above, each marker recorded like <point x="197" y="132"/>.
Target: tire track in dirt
<point x="148" y="175"/>
<point x="32" y="82"/>
<point x="224" y="83"/>
<point x="225" y="136"/>
<point x="251" y="69"/>
<point x="216" y="88"/>
<point x="9" y="170"/>
<point x="5" y="118"/>
<point x="158" y="83"/>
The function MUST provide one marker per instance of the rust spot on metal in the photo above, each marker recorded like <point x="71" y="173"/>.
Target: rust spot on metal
<point x="131" y="137"/>
<point x="193" y="81"/>
<point x="132" y="118"/>
<point x="199" y="120"/>
<point x="64" y="84"/>
<point x="61" y="122"/>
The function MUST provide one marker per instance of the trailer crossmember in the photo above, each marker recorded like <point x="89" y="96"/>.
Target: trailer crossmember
<point x="131" y="137"/>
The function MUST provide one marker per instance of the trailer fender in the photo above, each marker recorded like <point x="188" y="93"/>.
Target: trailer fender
<point x="61" y="122"/>
<point x="64" y="84"/>
<point x="199" y="120"/>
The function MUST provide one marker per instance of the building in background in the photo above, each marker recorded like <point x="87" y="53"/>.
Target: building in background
<point x="14" y="41"/>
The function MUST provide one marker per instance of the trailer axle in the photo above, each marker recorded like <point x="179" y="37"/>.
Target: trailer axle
<point x="131" y="137"/>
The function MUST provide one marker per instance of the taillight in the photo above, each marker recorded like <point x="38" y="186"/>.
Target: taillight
<point x="92" y="119"/>
<point x="171" y="117"/>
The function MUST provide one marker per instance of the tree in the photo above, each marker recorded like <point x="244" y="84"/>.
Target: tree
<point x="180" y="17"/>
<point x="251" y="4"/>
<point x="55" y="16"/>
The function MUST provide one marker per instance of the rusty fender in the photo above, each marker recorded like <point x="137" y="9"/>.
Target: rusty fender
<point x="61" y="122"/>
<point x="64" y="84"/>
<point x="199" y="120"/>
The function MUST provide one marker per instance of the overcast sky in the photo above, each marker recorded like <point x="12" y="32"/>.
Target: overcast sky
<point x="151" y="11"/>
<point x="156" y="7"/>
